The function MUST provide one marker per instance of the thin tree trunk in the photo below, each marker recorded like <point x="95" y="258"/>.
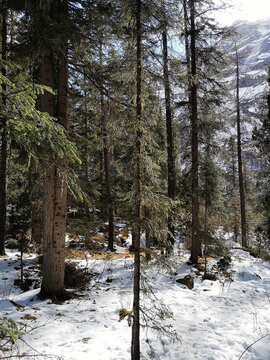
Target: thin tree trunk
<point x="240" y="164"/>
<point x="187" y="47"/>
<point x="4" y="145"/>
<point x="147" y="238"/>
<point x="169" y="129"/>
<point x="205" y="229"/>
<point x="36" y="211"/>
<point x="147" y="245"/>
<point x="106" y="157"/>
<point x="235" y="207"/>
<point x="206" y="214"/>
<point x="135" y="344"/>
<point x="196" y="243"/>
<point x="86" y="206"/>
<point x="103" y="214"/>
<point x="109" y="204"/>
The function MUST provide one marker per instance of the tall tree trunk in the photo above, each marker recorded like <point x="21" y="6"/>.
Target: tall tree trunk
<point x="235" y="207"/>
<point x="169" y="128"/>
<point x="147" y="236"/>
<point x="206" y="207"/>
<point x="55" y="188"/>
<point x="102" y="199"/>
<point x="86" y="150"/>
<point x="207" y="204"/>
<point x="187" y="46"/>
<point x="135" y="344"/>
<point x="109" y="204"/>
<point x="196" y="243"/>
<point x="36" y="211"/>
<point x="240" y="163"/>
<point x="106" y="157"/>
<point x="4" y="143"/>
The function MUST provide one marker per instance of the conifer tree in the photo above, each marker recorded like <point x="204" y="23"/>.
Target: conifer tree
<point x="3" y="132"/>
<point x="55" y="188"/>
<point x="261" y="136"/>
<point x="204" y="62"/>
<point x="169" y="125"/>
<point x="135" y="344"/>
<point x="191" y="56"/>
<point x="239" y="155"/>
<point x="232" y="195"/>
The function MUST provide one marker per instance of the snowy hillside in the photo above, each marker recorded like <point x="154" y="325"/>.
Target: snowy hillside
<point x="216" y="320"/>
<point x="253" y="47"/>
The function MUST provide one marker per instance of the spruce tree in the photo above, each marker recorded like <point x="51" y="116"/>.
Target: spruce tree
<point x="55" y="188"/>
<point x="4" y="137"/>
<point x="169" y="125"/>
<point x="261" y="136"/>
<point x="204" y="61"/>
<point x="240" y="157"/>
<point x="135" y="343"/>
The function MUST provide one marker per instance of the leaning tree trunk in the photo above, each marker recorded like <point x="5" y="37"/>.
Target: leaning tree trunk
<point x="169" y="129"/>
<point x="55" y="188"/>
<point x="135" y="344"/>
<point x="240" y="162"/>
<point x="196" y="243"/>
<point x="4" y="146"/>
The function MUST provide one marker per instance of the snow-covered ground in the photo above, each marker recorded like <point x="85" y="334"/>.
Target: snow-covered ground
<point x="216" y="320"/>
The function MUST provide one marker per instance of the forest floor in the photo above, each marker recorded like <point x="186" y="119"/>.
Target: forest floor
<point x="216" y="320"/>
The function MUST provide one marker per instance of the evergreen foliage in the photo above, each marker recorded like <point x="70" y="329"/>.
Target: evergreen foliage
<point x="262" y="139"/>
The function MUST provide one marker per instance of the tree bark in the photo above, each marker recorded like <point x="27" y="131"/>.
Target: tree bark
<point x="196" y="243"/>
<point x="55" y="188"/>
<point x="187" y="47"/>
<point x="109" y="204"/>
<point x="235" y="207"/>
<point x="86" y="150"/>
<point x="240" y="162"/>
<point x="106" y="157"/>
<point x="135" y="344"/>
<point x="169" y="129"/>
<point x="35" y="182"/>
<point x="4" y="144"/>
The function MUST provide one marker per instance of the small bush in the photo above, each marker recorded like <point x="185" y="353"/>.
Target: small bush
<point x="75" y="277"/>
<point x="219" y="248"/>
<point x="9" y="331"/>
<point x="259" y="253"/>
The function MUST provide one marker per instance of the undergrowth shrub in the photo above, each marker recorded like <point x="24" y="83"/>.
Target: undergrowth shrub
<point x="219" y="248"/>
<point x="10" y="331"/>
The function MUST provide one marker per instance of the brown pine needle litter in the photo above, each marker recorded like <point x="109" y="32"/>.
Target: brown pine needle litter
<point x="96" y="255"/>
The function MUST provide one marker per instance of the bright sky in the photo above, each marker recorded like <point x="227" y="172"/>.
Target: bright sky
<point x="251" y="10"/>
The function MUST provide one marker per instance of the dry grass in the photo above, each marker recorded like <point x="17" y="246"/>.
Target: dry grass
<point x="96" y="255"/>
<point x="101" y="255"/>
<point x="238" y="258"/>
<point x="202" y="259"/>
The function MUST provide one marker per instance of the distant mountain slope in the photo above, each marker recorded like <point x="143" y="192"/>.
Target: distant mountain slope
<point x="253" y="46"/>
